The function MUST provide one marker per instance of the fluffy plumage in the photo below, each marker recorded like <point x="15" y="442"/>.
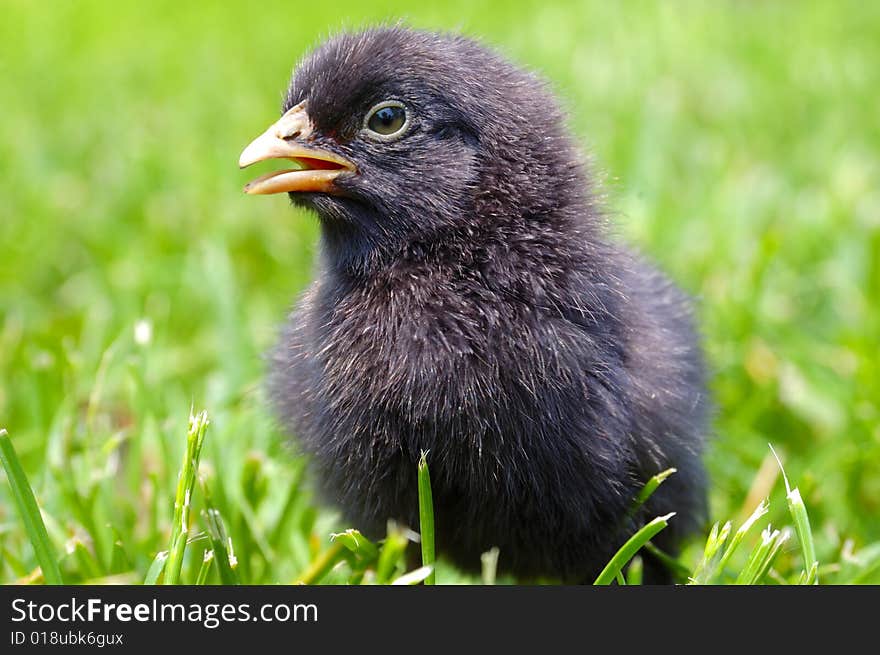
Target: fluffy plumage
<point x="467" y="302"/>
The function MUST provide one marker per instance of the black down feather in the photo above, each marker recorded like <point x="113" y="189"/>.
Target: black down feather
<point x="467" y="302"/>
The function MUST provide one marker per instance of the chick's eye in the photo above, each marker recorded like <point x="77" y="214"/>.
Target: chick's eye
<point x="386" y="119"/>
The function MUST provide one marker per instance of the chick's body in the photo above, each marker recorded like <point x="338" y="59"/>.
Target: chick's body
<point x="468" y="303"/>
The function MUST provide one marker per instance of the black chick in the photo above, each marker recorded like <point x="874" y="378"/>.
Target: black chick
<point x="468" y="303"/>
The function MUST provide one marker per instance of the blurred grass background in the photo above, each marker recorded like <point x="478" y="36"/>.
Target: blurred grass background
<point x="739" y="144"/>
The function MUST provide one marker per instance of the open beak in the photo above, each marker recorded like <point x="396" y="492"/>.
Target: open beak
<point x="317" y="170"/>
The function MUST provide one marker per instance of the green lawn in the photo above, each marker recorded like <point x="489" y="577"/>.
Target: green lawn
<point x="738" y="144"/>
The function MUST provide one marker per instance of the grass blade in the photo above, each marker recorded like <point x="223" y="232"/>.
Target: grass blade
<point x="426" y="517"/>
<point x="708" y="567"/>
<point x="798" y="512"/>
<point x="323" y="564"/>
<point x="810" y="577"/>
<point x="762" y="556"/>
<point x="631" y="547"/>
<point x="186" y="480"/>
<point x="205" y="569"/>
<point x="85" y="560"/>
<point x="221" y="544"/>
<point x="804" y="533"/>
<point x="650" y="487"/>
<point x="119" y="560"/>
<point x="762" y="508"/>
<point x="391" y="554"/>
<point x="156" y="568"/>
<point x="358" y="544"/>
<point x="489" y="562"/>
<point x="24" y="499"/>
<point x="636" y="570"/>
<point x="414" y="577"/>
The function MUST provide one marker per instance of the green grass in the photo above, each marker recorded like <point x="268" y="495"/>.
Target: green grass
<point x="29" y="512"/>
<point x="738" y="144"/>
<point x="426" y="517"/>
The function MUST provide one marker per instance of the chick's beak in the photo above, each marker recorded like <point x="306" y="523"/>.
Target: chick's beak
<point x="286" y="139"/>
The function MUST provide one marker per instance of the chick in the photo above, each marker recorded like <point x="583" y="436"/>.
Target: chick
<point x="467" y="302"/>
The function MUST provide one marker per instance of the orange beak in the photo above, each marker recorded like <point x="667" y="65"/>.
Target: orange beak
<point x="317" y="169"/>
